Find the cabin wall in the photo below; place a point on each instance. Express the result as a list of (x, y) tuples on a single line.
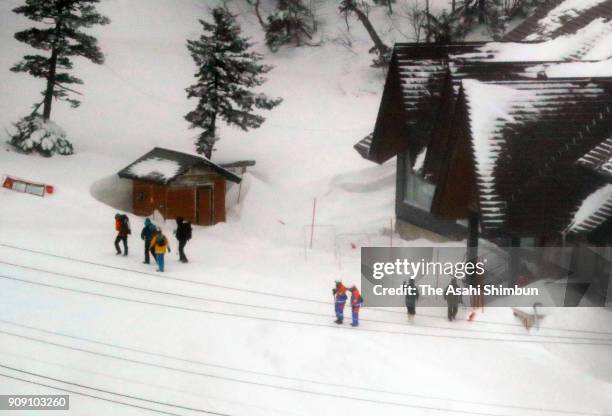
[(148, 197), (198, 197)]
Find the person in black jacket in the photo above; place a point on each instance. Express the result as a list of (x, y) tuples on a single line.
[(147, 233), (183, 234), (452, 298), (412, 295)]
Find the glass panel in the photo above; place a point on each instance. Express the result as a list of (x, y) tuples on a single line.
[(418, 192)]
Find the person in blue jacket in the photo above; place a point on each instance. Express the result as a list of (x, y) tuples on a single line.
[(356, 301), (340, 297), (147, 233)]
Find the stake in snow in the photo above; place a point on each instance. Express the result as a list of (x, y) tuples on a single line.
[(62, 38), (227, 72)]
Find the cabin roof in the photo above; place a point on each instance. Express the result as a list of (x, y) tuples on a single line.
[(164, 165), (560, 17), (544, 186)]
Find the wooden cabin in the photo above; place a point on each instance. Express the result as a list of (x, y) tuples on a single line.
[(181, 185)]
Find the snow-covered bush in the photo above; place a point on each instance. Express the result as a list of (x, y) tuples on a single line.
[(35, 134)]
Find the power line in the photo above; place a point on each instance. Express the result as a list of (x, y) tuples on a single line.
[(90, 395), (336, 385), (253, 383), (264, 293), (127, 396), (139, 382), (312, 324), (276, 309)]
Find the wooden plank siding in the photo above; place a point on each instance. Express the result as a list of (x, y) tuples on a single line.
[(456, 193)]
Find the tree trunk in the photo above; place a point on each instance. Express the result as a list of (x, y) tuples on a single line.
[(255, 4), (378, 43), (482, 9), (50, 84), (428, 34)]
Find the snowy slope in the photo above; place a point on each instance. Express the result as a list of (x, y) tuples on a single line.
[(304, 151)]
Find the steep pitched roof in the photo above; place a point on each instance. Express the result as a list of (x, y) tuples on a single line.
[(415, 86), (560, 17), (536, 190), (164, 165), (599, 158), (593, 211)]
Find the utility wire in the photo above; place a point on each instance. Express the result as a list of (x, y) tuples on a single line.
[(90, 396), (264, 293), (127, 396), (276, 309), (253, 383), (335, 385), (151, 385), (312, 324)]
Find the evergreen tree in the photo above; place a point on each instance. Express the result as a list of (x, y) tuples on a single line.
[(227, 71), (62, 39), (292, 21)]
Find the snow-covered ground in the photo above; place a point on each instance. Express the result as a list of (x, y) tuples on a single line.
[(246, 327)]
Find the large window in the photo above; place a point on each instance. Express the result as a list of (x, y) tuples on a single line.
[(418, 192)]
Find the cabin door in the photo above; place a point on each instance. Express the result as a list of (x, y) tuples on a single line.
[(205, 205)]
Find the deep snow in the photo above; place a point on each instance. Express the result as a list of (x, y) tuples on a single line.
[(304, 151)]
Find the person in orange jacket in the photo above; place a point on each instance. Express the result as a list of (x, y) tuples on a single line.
[(160, 245), (340, 297), (356, 301), (122, 226)]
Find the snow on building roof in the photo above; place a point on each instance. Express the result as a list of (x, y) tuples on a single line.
[(560, 17), (364, 145), (588, 43), (593, 211), (599, 158), (507, 117), (164, 165), (155, 168)]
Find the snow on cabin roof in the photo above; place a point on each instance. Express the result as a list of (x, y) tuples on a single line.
[(599, 158), (560, 17), (507, 117), (164, 165), (593, 211), (155, 168)]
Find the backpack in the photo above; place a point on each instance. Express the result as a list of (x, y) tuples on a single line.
[(187, 231), (125, 225)]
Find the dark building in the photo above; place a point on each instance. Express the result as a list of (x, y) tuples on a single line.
[(181, 185)]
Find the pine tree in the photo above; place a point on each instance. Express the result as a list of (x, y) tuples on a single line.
[(227, 71), (63, 39), (292, 21)]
